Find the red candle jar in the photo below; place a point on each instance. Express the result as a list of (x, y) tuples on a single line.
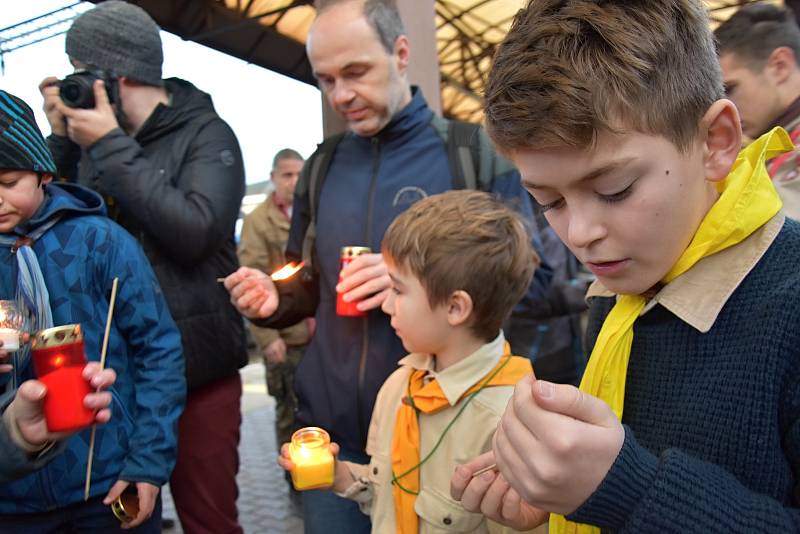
[(58, 359), (349, 309)]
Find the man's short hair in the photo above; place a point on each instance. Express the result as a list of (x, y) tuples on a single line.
[(382, 15), (470, 241), (569, 69), (754, 31), (285, 153)]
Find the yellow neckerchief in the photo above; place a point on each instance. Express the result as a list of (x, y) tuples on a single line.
[(747, 201), (429, 399)]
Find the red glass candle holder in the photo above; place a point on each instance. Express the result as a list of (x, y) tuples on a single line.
[(59, 358), (344, 308)]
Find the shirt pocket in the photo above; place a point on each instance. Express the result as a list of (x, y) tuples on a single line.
[(445, 515)]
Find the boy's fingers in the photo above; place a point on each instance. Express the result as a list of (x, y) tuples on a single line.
[(115, 491), (570, 401), (475, 491)]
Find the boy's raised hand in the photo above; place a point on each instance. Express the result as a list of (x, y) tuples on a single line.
[(252, 292), (86, 126), (490, 495), (555, 444)]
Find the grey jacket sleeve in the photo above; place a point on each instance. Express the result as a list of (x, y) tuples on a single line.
[(14, 462)]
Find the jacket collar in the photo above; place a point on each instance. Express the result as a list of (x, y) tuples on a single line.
[(406, 122), (462, 375), (698, 296)]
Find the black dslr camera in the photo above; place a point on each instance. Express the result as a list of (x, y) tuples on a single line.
[(77, 91)]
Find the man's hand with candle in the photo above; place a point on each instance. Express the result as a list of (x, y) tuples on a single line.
[(489, 494), (341, 475), (147, 494), (555, 444), (365, 279), (252, 292), (26, 409)]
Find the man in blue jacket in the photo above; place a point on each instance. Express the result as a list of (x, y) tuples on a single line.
[(391, 157)]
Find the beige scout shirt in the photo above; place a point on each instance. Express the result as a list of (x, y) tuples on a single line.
[(470, 435), (698, 295), (264, 235)]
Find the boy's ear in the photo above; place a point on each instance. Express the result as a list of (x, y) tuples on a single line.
[(723, 139), (46, 179), (459, 308)]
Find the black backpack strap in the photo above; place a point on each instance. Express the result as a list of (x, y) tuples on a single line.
[(310, 183), (471, 156)]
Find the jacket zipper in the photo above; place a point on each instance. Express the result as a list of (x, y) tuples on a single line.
[(362, 364)]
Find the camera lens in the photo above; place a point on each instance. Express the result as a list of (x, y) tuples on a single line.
[(76, 90)]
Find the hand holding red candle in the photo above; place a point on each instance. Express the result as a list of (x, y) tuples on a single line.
[(364, 282), (58, 359), (27, 410)]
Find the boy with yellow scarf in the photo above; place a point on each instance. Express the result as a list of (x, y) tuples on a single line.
[(459, 262), (688, 416)]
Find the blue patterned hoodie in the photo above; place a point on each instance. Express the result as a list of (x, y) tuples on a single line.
[(79, 258)]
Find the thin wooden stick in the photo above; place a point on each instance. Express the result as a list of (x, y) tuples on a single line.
[(102, 366), (486, 469)]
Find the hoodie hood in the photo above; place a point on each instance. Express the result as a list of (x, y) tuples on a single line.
[(187, 102), (63, 199)]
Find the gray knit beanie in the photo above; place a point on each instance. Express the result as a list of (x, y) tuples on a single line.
[(120, 38)]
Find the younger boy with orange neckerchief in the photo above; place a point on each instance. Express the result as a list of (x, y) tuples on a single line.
[(688, 415), (459, 262)]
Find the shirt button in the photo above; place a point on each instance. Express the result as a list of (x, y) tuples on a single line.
[(447, 520), (374, 470)]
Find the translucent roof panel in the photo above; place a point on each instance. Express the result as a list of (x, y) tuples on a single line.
[(467, 34)]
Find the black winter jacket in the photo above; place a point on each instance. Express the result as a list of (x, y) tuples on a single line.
[(177, 186)]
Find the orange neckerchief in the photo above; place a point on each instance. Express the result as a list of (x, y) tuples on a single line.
[(429, 399)]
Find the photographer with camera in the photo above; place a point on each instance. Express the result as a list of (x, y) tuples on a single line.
[(172, 172)]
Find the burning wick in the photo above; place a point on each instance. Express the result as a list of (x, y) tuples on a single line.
[(287, 271)]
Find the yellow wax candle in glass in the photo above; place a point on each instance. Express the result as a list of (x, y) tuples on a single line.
[(312, 459)]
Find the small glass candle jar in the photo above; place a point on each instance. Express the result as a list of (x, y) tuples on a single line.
[(313, 462), (58, 359), (344, 308), (10, 325)]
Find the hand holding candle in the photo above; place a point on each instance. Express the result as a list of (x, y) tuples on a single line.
[(58, 359), (364, 283), (27, 411), (310, 459)]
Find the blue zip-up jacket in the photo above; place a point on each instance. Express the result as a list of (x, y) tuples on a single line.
[(370, 181), (79, 258)]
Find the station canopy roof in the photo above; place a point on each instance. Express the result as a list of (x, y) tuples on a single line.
[(272, 33)]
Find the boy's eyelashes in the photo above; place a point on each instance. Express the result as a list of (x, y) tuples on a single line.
[(610, 199), (617, 197)]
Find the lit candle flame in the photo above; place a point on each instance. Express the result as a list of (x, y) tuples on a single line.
[(286, 271)]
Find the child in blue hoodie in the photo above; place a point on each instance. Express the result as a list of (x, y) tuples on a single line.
[(61, 256)]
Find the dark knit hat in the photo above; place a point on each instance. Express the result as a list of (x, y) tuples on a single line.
[(22, 146), (120, 38)]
